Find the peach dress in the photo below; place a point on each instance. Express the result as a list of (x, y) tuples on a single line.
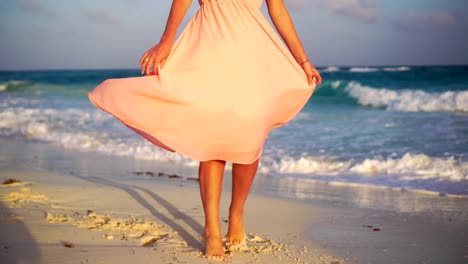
[(227, 81)]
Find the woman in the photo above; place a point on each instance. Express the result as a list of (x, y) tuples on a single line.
[(215, 94)]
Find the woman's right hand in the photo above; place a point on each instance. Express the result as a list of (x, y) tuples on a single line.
[(311, 73), (155, 56)]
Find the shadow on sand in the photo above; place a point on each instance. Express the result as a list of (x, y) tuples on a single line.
[(173, 211), (17, 245)]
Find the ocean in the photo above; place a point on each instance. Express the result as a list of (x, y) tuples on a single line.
[(394, 126)]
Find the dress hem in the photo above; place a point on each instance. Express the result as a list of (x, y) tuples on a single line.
[(142, 132)]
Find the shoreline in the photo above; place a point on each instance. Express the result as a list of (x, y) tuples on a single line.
[(28, 154), (336, 224)]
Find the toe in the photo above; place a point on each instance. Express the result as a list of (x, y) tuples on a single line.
[(216, 258)]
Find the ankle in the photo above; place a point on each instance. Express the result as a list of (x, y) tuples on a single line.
[(236, 212), (212, 232)]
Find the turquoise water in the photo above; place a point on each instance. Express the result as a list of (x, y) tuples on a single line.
[(396, 126)]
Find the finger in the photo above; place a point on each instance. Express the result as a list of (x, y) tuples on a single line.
[(153, 69), (142, 63), (145, 65), (156, 67), (151, 64), (143, 57), (316, 78), (319, 79), (146, 57)]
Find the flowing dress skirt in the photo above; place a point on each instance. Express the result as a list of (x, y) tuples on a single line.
[(228, 80)]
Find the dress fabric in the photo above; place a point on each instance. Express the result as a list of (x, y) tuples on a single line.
[(227, 81)]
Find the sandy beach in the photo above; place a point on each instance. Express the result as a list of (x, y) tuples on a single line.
[(76, 207)]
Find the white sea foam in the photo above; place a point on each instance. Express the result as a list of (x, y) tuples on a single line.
[(305, 165), (409, 100), (331, 69), (401, 68), (413, 167), (4, 85), (363, 69), (14, 82), (82, 130), (19, 101), (335, 84), (409, 167), (86, 130)]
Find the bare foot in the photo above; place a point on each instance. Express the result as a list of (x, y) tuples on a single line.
[(236, 233), (214, 249)]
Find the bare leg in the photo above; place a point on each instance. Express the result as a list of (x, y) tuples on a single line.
[(211, 179), (242, 178)]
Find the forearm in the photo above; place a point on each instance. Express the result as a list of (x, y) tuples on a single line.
[(178, 10), (285, 26)]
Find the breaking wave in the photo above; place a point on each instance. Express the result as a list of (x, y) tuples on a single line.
[(87, 130), (407, 100)]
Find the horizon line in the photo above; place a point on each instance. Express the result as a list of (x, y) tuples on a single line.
[(316, 66)]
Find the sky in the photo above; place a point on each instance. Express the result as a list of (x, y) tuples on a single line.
[(113, 34)]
